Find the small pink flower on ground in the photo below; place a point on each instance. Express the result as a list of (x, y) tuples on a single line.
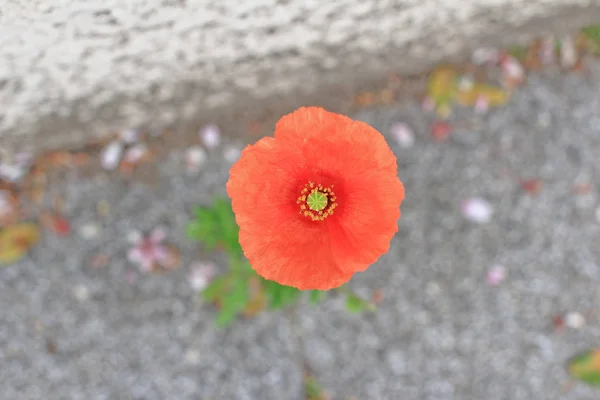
[(210, 136), (428, 104), (200, 275), (232, 154), (496, 275), (574, 320), (111, 156), (482, 104), (195, 157), (403, 134), (149, 252), (477, 209)]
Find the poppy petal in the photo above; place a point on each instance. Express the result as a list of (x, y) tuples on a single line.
[(313, 145)]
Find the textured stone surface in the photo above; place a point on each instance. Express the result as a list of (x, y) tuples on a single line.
[(441, 332), (71, 70)]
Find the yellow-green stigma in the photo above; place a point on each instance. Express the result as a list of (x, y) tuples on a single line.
[(316, 202)]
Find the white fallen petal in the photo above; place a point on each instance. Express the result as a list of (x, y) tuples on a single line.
[(403, 134), (192, 356), (485, 56), (136, 153), (574, 320), (210, 136), (568, 53), (232, 154), (512, 68), (129, 136), (477, 209), (12, 172), (111, 156), (81, 292), (89, 230), (465, 83), (195, 157), (200, 275)]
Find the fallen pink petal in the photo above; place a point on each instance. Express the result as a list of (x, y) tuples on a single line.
[(200, 275), (496, 275), (129, 136), (403, 135), (111, 156), (195, 157), (210, 136), (512, 68), (548, 50), (136, 153), (428, 104), (477, 209), (482, 104)]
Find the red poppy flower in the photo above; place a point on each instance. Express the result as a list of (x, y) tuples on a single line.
[(318, 202)]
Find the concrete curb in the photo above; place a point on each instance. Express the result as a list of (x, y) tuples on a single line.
[(72, 72)]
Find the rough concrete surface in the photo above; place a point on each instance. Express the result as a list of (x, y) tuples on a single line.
[(69, 331), (73, 70)]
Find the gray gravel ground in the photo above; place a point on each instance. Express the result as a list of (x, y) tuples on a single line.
[(441, 331)]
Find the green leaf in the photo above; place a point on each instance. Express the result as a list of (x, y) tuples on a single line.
[(193, 230), (216, 288), (592, 32), (215, 225), (586, 367), (279, 295), (354, 303), (313, 390), (233, 303), (316, 296), (518, 52)]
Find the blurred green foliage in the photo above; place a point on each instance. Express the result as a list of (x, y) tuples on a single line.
[(240, 291)]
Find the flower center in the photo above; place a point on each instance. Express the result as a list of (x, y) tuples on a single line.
[(316, 202)]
